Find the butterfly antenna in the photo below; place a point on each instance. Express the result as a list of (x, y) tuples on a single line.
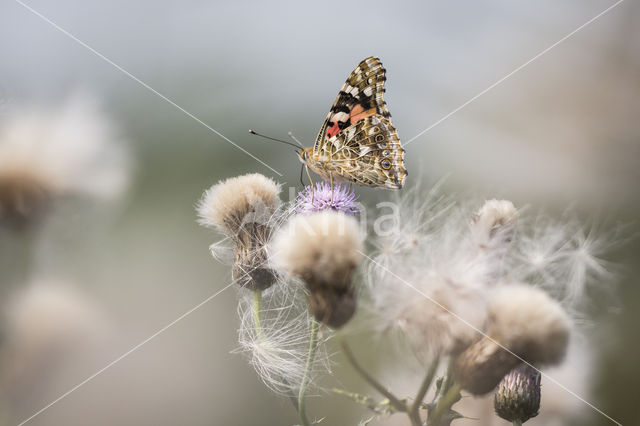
[(273, 139), (296, 140)]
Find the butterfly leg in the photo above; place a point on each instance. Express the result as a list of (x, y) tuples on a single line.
[(310, 183), (331, 180)]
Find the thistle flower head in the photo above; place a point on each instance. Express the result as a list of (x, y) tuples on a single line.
[(323, 249), (524, 323), (46, 154), (242, 208), (321, 197), (518, 394)]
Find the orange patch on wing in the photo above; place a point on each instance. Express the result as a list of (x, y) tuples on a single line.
[(358, 113), (333, 130)]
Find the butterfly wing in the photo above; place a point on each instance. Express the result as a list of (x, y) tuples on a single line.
[(357, 141), (368, 153)]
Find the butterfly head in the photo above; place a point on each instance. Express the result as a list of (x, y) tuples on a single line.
[(305, 154)]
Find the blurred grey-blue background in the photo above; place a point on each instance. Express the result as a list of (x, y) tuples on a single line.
[(561, 132)]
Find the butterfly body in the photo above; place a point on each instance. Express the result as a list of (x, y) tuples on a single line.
[(357, 142)]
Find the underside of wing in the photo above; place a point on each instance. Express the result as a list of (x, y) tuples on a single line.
[(360, 96), (368, 153)]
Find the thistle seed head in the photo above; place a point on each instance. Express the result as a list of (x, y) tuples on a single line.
[(234, 202), (524, 322), (323, 249), (242, 208)]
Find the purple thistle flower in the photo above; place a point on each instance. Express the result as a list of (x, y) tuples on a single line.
[(344, 199)]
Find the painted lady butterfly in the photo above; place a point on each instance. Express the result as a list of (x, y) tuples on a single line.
[(357, 142)]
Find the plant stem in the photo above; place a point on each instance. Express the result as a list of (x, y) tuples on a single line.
[(517, 423), (313, 347), (446, 382), (444, 403), (393, 400), (414, 409)]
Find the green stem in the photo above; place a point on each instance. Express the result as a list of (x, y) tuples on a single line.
[(393, 400), (517, 423), (414, 410), (446, 382), (313, 348), (414, 417), (450, 397)]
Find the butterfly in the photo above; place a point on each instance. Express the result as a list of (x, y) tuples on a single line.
[(357, 142)]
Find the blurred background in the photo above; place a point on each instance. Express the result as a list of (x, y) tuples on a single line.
[(118, 256)]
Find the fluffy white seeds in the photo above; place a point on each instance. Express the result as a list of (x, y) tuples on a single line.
[(494, 222), (531, 324), (564, 258), (428, 279), (322, 245), (243, 208), (242, 199), (323, 249), (524, 324), (278, 346)]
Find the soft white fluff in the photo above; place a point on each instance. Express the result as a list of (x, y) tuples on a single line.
[(229, 203), (67, 149), (494, 221), (528, 322), (524, 324), (434, 253), (45, 326), (429, 277), (47, 314), (322, 244), (278, 350), (559, 407), (565, 258)]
